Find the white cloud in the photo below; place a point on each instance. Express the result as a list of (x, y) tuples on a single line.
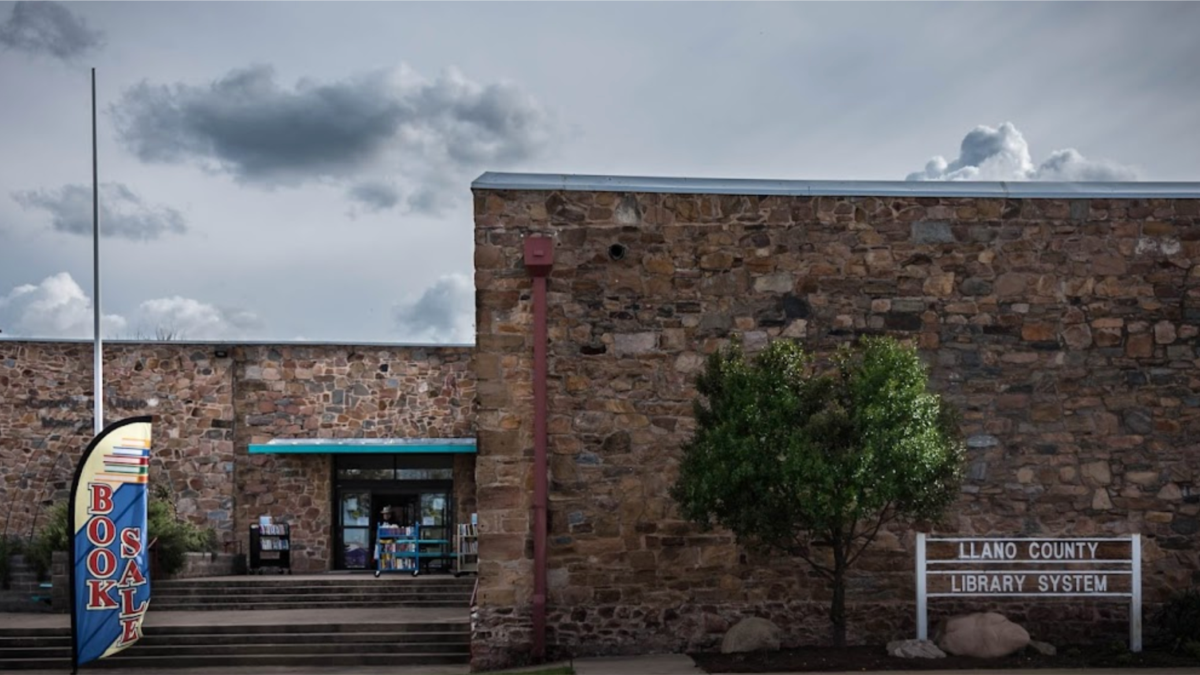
[(445, 312), (188, 319), (56, 307), (59, 308), (1003, 154)]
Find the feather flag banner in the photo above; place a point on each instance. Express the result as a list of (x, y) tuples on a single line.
[(110, 575)]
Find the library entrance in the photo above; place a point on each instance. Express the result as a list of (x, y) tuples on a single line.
[(418, 489)]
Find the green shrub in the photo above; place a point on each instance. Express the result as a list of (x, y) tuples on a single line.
[(175, 537), (52, 537), (1178, 620)]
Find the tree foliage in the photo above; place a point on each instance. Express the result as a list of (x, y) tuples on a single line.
[(812, 463)]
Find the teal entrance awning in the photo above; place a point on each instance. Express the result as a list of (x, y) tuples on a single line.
[(355, 446)]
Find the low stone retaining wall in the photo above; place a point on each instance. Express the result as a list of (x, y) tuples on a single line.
[(196, 565), (60, 580), (206, 565)]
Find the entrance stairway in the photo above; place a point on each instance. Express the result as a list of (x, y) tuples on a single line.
[(311, 592), (242, 622)]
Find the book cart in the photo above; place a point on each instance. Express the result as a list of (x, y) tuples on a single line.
[(270, 548), (398, 549), (466, 549)]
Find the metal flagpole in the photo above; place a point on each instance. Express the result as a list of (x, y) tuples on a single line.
[(98, 411)]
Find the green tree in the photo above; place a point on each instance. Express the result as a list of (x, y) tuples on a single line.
[(810, 463)]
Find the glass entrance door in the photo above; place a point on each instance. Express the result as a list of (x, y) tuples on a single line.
[(418, 488), (355, 515)]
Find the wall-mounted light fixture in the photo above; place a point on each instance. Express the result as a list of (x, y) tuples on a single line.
[(221, 352)]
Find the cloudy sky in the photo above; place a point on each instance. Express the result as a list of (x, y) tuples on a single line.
[(301, 171)]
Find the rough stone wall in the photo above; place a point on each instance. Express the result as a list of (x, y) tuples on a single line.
[(464, 488), (208, 409), (46, 422), (1065, 331), (299, 391)]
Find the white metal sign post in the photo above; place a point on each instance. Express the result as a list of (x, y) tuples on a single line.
[(1030, 568)]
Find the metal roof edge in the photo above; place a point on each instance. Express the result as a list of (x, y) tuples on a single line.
[(396, 442), (493, 180)]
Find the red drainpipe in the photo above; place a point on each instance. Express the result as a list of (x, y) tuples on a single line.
[(539, 259)]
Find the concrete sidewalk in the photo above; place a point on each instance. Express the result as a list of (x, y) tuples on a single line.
[(679, 664), (660, 664)]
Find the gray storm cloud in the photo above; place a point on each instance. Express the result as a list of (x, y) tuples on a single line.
[(48, 28), (374, 196), (445, 312), (249, 126), (1003, 154), (122, 212)]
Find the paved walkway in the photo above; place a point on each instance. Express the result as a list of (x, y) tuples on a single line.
[(663, 664), (650, 665), (678, 664)]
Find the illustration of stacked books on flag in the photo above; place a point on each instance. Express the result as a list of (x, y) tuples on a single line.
[(128, 463)]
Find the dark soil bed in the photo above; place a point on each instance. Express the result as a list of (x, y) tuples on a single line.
[(831, 659)]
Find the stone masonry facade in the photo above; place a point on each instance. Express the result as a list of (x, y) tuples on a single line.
[(1065, 330), (208, 409)]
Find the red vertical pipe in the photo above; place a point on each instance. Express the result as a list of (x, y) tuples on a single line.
[(539, 259), (540, 488)]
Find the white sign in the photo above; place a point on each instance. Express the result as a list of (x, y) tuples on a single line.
[(1004, 567)]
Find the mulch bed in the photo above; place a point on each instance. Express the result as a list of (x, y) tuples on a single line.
[(860, 658)]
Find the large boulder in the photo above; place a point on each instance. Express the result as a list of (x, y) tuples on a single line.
[(984, 635), (751, 635), (914, 649)]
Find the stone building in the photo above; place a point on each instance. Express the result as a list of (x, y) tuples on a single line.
[(380, 425), (1061, 319)]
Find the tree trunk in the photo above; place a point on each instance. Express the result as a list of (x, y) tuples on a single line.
[(837, 610)]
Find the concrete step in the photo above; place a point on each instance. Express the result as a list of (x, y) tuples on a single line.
[(63, 641), (397, 628), (253, 645), (285, 601), (404, 580), (171, 592), (271, 604), (10, 654), (301, 590), (459, 637), (315, 628)]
